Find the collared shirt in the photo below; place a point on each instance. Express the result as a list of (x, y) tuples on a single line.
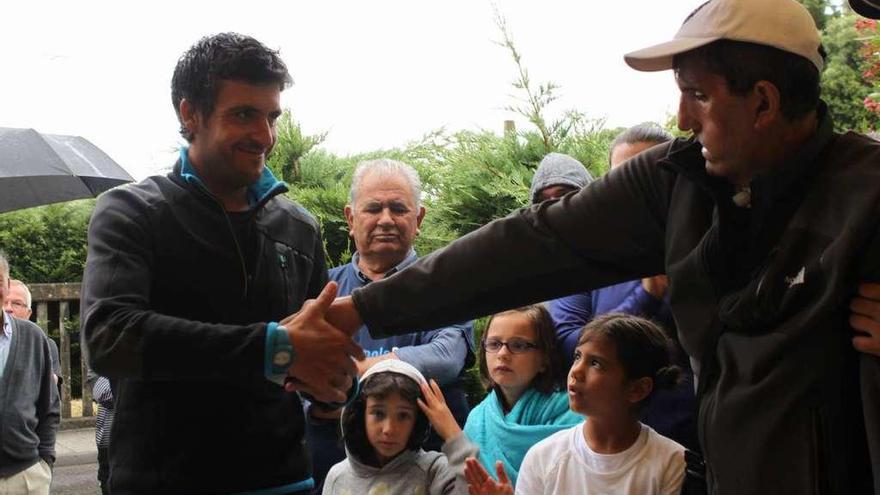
[(410, 258), (5, 342)]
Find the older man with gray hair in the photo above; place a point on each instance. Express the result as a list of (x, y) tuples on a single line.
[(30, 408), (18, 304), (384, 215)]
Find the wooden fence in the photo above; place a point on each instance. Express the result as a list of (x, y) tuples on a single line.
[(52, 307)]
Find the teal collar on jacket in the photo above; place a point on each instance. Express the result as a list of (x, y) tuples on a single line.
[(259, 192)]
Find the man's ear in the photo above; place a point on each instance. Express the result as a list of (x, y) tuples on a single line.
[(639, 389), (189, 116), (420, 217), (349, 218), (767, 104)]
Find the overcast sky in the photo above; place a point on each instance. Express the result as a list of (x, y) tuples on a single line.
[(375, 74)]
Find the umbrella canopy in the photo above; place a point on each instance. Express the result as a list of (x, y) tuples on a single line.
[(38, 169)]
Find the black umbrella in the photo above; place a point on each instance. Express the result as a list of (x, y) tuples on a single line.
[(38, 169)]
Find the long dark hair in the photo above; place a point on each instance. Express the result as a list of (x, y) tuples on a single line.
[(553, 376), (380, 385)]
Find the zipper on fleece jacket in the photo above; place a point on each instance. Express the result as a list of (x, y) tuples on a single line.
[(267, 187)]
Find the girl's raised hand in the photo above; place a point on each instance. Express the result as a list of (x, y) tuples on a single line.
[(438, 413), (480, 483)]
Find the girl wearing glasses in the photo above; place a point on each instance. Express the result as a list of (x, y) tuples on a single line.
[(619, 362), (521, 367)]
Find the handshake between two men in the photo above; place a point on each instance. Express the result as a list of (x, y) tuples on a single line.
[(321, 334)]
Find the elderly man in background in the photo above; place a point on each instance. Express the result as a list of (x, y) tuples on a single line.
[(29, 409), (18, 304), (384, 216)]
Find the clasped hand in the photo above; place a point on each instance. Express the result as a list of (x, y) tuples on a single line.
[(324, 366)]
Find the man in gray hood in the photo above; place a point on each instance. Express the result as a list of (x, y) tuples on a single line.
[(557, 175)]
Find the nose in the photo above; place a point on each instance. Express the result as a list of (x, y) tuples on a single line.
[(264, 133), (577, 370), (504, 351), (387, 426), (385, 217), (685, 122)]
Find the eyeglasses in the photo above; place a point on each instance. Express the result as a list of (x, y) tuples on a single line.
[(18, 304), (515, 346)]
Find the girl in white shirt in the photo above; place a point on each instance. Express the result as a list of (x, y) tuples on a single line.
[(620, 360)]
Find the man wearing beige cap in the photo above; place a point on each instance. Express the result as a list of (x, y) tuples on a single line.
[(764, 221)]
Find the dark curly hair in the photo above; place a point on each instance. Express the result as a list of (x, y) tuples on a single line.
[(643, 348), (553, 376), (224, 56), (380, 385)]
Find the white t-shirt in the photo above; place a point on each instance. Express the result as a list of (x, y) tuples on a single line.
[(563, 464)]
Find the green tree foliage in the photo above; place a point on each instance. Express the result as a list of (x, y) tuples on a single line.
[(869, 53), (821, 10), (844, 87), (48, 243), (292, 144)]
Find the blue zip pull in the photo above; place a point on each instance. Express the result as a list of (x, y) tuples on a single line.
[(282, 260)]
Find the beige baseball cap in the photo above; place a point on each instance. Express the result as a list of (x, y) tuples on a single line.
[(782, 24)]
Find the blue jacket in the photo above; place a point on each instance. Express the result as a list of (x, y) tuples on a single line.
[(571, 313)]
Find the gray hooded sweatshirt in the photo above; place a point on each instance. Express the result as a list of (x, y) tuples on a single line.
[(558, 169), (411, 472)]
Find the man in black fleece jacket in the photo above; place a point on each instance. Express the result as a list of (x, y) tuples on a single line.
[(187, 279)]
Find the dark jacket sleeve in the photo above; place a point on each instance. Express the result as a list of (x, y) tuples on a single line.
[(124, 337), (48, 409), (611, 231)]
